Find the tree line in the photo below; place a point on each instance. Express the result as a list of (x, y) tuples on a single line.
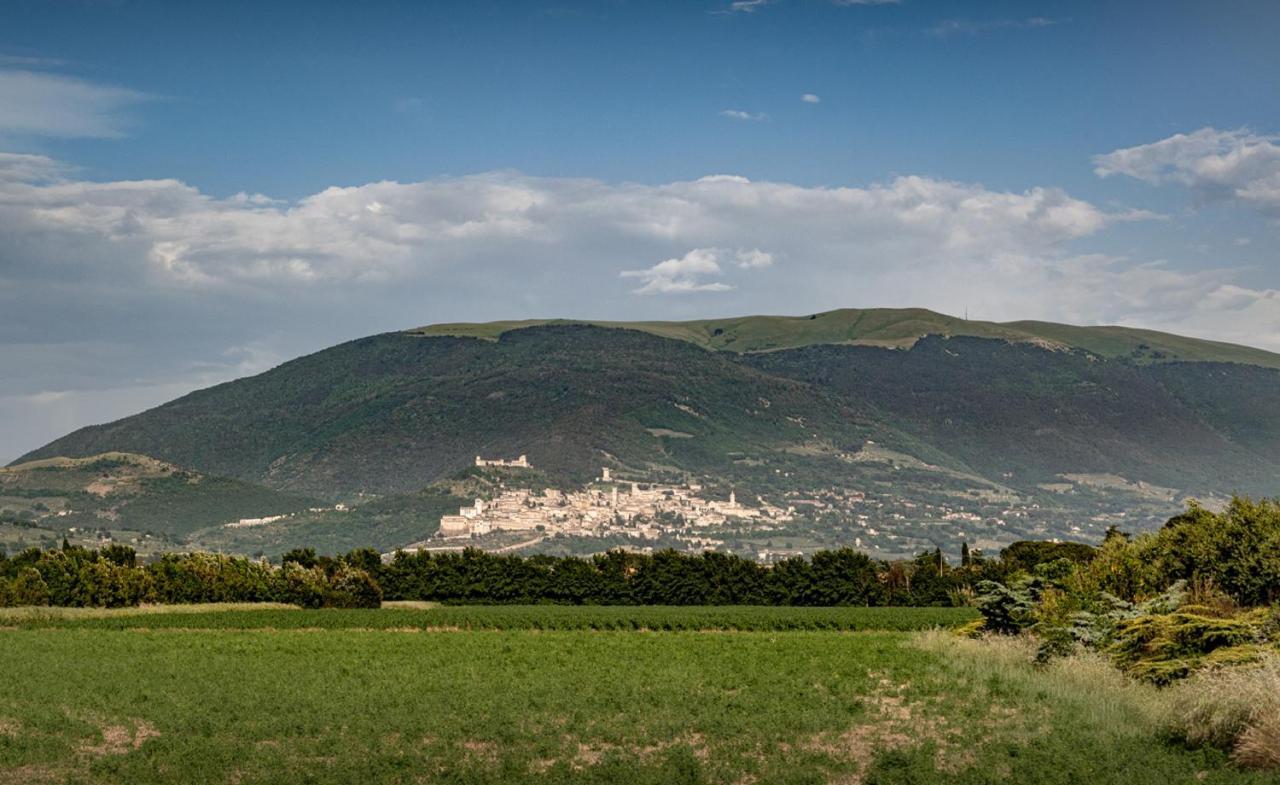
[(113, 577)]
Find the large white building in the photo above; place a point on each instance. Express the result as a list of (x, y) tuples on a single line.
[(519, 463)]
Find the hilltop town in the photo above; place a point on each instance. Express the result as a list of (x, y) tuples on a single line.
[(605, 508)]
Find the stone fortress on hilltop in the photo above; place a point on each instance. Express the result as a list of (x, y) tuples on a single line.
[(645, 512), (519, 463)]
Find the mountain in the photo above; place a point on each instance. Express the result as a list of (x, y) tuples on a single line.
[(1082, 420), (394, 412)]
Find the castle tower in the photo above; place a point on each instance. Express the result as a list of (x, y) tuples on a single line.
[(604, 474), (614, 495), (733, 499)]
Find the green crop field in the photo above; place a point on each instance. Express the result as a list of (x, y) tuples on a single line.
[(524, 617), (395, 696)]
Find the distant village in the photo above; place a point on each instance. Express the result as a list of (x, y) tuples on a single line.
[(606, 508), (648, 516)]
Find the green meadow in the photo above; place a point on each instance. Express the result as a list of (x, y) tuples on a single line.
[(233, 695)]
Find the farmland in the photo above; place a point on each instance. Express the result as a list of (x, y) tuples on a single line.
[(520, 694)]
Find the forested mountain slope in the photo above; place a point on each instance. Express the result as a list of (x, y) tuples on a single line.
[(1017, 405)]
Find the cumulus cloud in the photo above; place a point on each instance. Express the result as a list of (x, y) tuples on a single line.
[(164, 273), (41, 104), (688, 273), (1215, 164), (810, 98), (683, 275)]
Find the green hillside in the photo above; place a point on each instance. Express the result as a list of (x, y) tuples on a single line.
[(394, 412), (124, 491), (900, 328), (1075, 427)]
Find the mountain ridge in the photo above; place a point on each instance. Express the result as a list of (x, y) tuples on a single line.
[(898, 328)]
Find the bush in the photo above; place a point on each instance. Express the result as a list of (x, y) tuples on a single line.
[(1007, 610), (1163, 647)]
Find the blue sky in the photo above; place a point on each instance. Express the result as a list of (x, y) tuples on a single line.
[(195, 191)]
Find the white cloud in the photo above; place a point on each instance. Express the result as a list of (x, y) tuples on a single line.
[(753, 259), (20, 168), (682, 275), (810, 98), (745, 6), (688, 273), (39, 104), (738, 114), (953, 27), (176, 236), (1215, 164)]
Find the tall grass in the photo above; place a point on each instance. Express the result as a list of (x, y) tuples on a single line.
[(1087, 682), (1236, 709)]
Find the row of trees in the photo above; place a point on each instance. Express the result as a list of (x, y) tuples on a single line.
[(1237, 551), (112, 577)]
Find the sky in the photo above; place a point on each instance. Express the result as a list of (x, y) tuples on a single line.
[(194, 192)]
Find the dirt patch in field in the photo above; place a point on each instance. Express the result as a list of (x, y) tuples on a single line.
[(592, 753), (898, 723), (120, 739), (9, 727), (30, 775), (478, 751)]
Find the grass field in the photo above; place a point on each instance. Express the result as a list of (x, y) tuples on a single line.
[(508, 617), (355, 700)]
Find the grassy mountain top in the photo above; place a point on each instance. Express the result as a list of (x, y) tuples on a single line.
[(105, 474), (898, 329)]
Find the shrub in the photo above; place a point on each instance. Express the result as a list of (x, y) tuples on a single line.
[(1163, 647), (1007, 610)]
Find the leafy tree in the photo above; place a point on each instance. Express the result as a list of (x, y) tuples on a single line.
[(29, 588), (303, 557)]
